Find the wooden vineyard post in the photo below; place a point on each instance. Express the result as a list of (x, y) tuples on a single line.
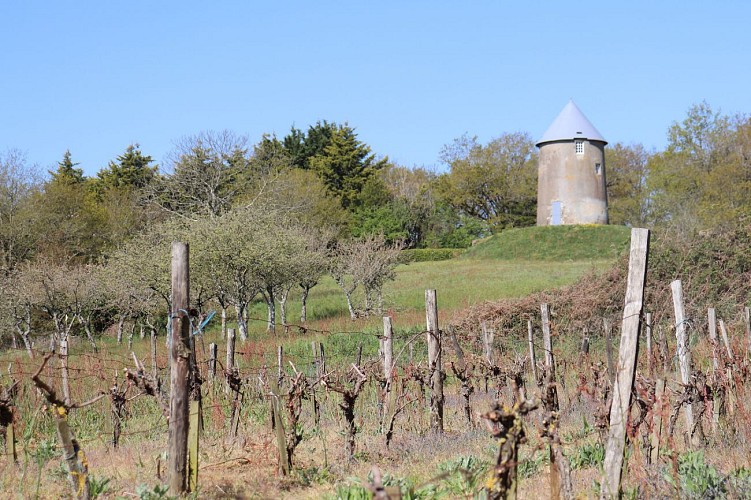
[(388, 351), (547, 343), (648, 331), (279, 360), (212, 361), (8, 411), (747, 329), (317, 375), (230, 360), (609, 348), (584, 350), (487, 341), (154, 367), (659, 408), (627, 354), (716, 403), (726, 341), (179, 370), (434, 362), (684, 354), (64, 369), (693, 427), (728, 370), (551, 400), (278, 423), (532, 360), (10, 442), (229, 364), (667, 364), (316, 362), (193, 434), (712, 322), (546, 340), (657, 413)]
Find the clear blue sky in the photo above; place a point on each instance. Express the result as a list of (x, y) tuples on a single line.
[(94, 77)]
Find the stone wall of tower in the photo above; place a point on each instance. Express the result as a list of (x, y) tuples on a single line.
[(571, 186)]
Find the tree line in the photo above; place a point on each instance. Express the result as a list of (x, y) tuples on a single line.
[(274, 216)]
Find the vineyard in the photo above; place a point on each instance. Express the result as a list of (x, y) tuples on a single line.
[(552, 395)]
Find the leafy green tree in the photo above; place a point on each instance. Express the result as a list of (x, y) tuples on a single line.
[(303, 146), (121, 190), (272, 181), (267, 163), (70, 219), (126, 293), (413, 203), (392, 220), (451, 229), (701, 180), (701, 138), (223, 250), (19, 186), (334, 152), (302, 195), (66, 172), (346, 165), (249, 252), (269, 157), (414, 185), (206, 173), (276, 261), (496, 183), (137, 274), (628, 196), (132, 170), (412, 211)]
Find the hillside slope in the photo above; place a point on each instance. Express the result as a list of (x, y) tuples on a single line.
[(554, 243), (715, 268)]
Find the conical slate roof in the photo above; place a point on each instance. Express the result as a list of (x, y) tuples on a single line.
[(569, 125)]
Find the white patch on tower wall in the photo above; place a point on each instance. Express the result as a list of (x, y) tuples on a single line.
[(556, 213)]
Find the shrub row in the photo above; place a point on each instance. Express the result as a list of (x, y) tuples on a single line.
[(428, 254)]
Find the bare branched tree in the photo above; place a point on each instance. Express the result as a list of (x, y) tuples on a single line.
[(206, 177), (368, 263), (18, 184)]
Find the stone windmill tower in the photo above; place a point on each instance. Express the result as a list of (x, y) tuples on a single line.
[(571, 172)]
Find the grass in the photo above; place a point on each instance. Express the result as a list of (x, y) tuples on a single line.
[(463, 282), (554, 244)]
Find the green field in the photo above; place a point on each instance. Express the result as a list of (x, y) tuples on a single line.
[(554, 244)]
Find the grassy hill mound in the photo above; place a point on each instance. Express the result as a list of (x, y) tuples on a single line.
[(714, 266), (554, 243)]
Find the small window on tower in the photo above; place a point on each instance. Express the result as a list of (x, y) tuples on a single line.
[(579, 147), (598, 168)]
